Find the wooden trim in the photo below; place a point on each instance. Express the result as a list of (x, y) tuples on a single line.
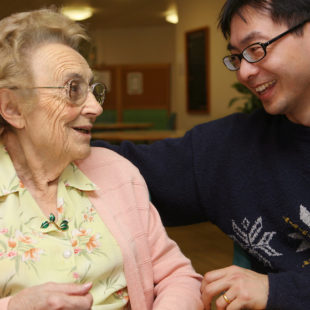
[(137, 135), (119, 95), (153, 75), (156, 88)]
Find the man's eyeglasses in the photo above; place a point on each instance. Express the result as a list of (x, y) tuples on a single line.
[(254, 52), (77, 91)]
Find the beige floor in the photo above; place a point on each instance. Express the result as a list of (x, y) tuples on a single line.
[(206, 246)]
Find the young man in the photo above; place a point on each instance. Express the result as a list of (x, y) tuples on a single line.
[(249, 174)]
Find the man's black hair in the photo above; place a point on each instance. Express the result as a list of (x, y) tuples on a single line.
[(289, 12)]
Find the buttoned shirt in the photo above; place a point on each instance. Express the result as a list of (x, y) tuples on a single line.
[(31, 254)]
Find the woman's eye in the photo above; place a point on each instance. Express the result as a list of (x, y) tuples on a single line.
[(74, 89), (74, 86)]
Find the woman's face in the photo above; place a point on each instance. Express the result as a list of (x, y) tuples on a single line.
[(55, 126)]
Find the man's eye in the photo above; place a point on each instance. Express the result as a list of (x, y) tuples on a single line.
[(254, 49)]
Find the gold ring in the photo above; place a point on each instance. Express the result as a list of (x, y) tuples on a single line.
[(226, 299)]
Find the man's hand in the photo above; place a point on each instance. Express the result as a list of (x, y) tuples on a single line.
[(53, 296), (241, 288)]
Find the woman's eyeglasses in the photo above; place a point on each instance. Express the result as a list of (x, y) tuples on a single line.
[(255, 52), (77, 91)]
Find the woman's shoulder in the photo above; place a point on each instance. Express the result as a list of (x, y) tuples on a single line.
[(102, 160), (103, 155), (114, 174)]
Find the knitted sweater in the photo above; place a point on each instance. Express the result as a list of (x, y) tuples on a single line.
[(248, 174)]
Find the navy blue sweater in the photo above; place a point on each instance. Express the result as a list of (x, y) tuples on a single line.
[(249, 175)]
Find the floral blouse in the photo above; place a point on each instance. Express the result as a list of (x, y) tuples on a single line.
[(34, 251)]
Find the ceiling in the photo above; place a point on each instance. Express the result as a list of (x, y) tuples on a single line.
[(108, 13)]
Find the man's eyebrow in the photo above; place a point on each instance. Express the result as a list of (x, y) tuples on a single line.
[(247, 39), (230, 47), (250, 37)]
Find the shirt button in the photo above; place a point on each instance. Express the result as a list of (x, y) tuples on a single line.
[(67, 253)]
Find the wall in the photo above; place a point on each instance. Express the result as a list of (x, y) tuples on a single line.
[(166, 44), (195, 14), (135, 45)]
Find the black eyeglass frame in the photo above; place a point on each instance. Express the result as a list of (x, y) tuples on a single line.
[(263, 45)]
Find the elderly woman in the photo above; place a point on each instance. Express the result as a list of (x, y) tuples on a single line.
[(77, 230)]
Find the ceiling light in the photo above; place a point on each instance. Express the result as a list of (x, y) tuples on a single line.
[(77, 12), (172, 17)]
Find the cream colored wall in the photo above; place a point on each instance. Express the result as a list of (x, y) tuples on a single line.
[(195, 14), (135, 45), (166, 44)]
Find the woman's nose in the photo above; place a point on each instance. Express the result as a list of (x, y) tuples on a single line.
[(92, 106)]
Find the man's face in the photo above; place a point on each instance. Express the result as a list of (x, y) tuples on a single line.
[(282, 79)]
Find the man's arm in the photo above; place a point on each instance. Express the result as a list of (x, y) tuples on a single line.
[(246, 289), (289, 290), (168, 168), (236, 287)]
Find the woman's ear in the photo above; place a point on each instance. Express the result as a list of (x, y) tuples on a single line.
[(10, 110)]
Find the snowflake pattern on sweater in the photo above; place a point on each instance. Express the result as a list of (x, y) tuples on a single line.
[(254, 239), (301, 234), (249, 175)]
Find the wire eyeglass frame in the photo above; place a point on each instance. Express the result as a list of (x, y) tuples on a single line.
[(99, 91)]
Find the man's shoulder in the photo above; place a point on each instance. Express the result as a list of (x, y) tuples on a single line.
[(237, 120), (235, 132), (236, 125)]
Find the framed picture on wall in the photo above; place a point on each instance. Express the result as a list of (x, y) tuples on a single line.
[(197, 70)]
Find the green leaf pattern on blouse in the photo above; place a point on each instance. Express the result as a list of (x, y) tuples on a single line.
[(30, 255)]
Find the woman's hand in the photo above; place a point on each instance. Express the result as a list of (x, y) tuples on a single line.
[(243, 289), (53, 296)]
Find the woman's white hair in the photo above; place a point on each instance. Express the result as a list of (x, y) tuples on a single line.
[(20, 33)]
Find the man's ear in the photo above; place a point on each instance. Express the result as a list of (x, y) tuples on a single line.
[(10, 110)]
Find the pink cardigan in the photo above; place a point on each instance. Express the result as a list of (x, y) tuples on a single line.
[(158, 276)]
